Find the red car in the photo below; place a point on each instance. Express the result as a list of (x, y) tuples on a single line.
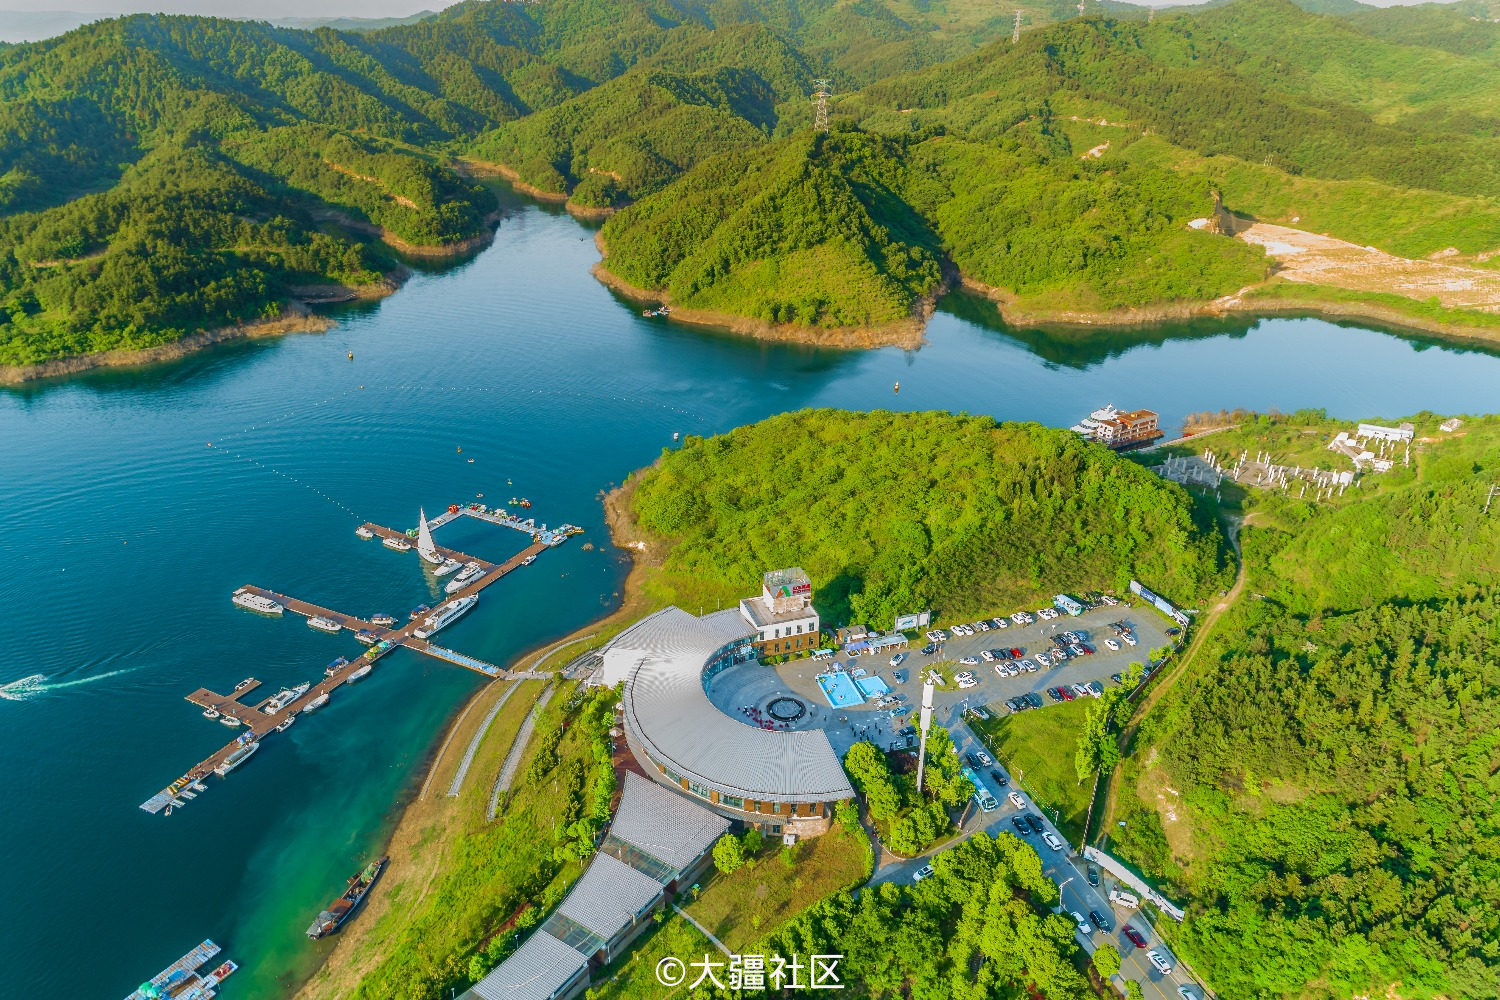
[(1067, 693), (1135, 936), (1015, 654)]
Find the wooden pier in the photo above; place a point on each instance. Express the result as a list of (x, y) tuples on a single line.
[(257, 724)]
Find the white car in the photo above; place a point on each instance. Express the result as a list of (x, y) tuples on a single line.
[(986, 656), (1046, 614), (1016, 800), (1129, 639), (1111, 644), (985, 759), (898, 659), (967, 683), (1080, 690), (1019, 617), (924, 872), (1001, 623), (964, 675), (1041, 658), (937, 635), (1050, 839), (1162, 963), (968, 661), (982, 626), (1027, 666), (1083, 924), (1188, 993)]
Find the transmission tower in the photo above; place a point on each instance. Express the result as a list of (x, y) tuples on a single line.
[(821, 92), (1080, 8), (1150, 14), (1015, 33)]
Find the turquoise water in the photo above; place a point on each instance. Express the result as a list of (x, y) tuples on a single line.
[(840, 690), (124, 536), (872, 687)]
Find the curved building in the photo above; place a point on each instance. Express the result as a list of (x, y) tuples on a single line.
[(782, 782)]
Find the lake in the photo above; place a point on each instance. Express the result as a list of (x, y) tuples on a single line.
[(125, 534)]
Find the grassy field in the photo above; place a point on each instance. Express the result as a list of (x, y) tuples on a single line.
[(1037, 748), (633, 977), (739, 908), (454, 878)]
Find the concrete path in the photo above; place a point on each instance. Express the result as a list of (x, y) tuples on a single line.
[(484, 727), (703, 930), (513, 759)]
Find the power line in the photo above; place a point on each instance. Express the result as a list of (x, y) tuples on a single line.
[(823, 89)]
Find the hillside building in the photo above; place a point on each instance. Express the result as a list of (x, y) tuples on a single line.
[(783, 615)]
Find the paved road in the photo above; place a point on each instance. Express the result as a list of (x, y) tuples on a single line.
[(1068, 870)]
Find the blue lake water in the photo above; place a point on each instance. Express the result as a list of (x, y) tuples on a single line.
[(124, 535)]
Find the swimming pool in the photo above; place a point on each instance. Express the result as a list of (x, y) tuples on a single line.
[(840, 690), (872, 687)]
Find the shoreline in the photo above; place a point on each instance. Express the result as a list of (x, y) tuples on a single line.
[(907, 334), (509, 174), (412, 820)]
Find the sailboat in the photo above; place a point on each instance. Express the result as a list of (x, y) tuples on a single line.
[(425, 547)]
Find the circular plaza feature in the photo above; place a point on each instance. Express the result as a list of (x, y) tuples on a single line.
[(786, 708)]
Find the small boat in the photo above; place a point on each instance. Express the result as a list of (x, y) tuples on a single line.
[(324, 624), (365, 636), (257, 603), (383, 620), (418, 612), (528, 560), (448, 566), (359, 673), (281, 699), (335, 666), (236, 758), (471, 461), (399, 544), (228, 720), (316, 703), (244, 683), (210, 713), (285, 724), (364, 532), (343, 908)]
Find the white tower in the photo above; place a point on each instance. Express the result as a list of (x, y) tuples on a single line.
[(926, 723)]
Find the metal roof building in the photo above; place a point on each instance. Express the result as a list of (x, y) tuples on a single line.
[(540, 969), (666, 661)]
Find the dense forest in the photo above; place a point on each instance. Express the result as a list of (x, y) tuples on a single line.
[(893, 512), (1332, 754), (160, 175)]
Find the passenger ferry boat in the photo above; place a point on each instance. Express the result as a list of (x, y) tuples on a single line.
[(316, 703), (324, 624), (399, 544), (255, 602), (1120, 429), (446, 615), (383, 620), (471, 572), (364, 532), (418, 611), (335, 666), (365, 636), (236, 758), (359, 673), (281, 699)]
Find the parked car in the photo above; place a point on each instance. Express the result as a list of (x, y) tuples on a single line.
[(1094, 688), (1067, 693), (1117, 678), (999, 778), (968, 661), (924, 872), (1079, 690), (1016, 800), (1162, 963), (967, 683), (1188, 993), (1136, 937), (973, 760), (987, 656), (1000, 623), (1034, 698), (1112, 644), (1052, 693), (936, 635), (1041, 658), (898, 659), (1093, 876), (985, 759), (1174, 631), (1083, 925), (1050, 839), (929, 649), (1099, 920), (1020, 825), (981, 625), (1015, 653), (1035, 822)]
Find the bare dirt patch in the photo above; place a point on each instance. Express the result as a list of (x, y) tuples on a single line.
[(1323, 260)]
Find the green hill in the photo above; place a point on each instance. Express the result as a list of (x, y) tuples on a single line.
[(897, 511)]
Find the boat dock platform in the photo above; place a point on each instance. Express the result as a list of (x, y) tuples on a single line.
[(505, 519), (256, 724), (182, 981)]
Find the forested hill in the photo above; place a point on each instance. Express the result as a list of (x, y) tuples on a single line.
[(160, 175), (1319, 787)]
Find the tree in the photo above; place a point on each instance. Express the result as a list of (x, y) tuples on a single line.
[(1133, 990), (753, 841), (1107, 960), (944, 774), (729, 854)]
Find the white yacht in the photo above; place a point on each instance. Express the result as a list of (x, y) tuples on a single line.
[(471, 572), (236, 758), (448, 566), (425, 546), (255, 602), (359, 673), (285, 724), (528, 560), (324, 624), (210, 713), (364, 532), (228, 720), (281, 699), (446, 615), (316, 703), (397, 543)]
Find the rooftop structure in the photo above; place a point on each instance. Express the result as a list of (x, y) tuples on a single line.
[(1377, 432), (783, 615)]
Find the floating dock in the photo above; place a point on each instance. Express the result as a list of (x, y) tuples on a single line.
[(182, 981), (256, 724)]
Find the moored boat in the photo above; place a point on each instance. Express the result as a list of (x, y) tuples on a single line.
[(446, 615), (244, 683), (418, 611), (324, 624), (255, 602), (236, 757), (471, 572), (359, 673), (210, 713), (228, 720), (335, 666), (364, 532), (281, 699), (528, 560), (343, 908), (399, 544), (383, 620), (426, 548), (316, 703), (365, 636), (448, 566), (285, 724)]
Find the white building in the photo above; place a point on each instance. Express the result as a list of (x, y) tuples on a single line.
[(783, 616)]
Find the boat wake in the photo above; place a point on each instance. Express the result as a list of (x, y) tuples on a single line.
[(37, 685)]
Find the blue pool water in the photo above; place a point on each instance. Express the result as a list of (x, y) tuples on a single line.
[(840, 690), (872, 687)]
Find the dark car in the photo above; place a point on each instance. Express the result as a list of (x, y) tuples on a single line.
[(1020, 825), (1034, 698), (1052, 693), (1035, 822), (1000, 778), (973, 760), (1093, 874), (1174, 631), (929, 649), (1099, 920), (1135, 936)]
